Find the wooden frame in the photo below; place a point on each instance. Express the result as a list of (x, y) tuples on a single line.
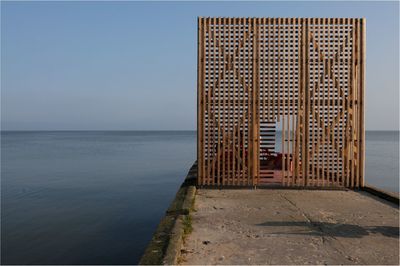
[(304, 75)]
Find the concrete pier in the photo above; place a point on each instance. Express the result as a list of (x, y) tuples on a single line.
[(278, 226)]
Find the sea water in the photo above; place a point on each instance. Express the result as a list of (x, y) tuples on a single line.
[(96, 197)]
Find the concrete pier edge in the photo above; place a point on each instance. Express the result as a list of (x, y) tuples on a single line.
[(388, 196), (165, 245)]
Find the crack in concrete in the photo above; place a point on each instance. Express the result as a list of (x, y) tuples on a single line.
[(325, 239)]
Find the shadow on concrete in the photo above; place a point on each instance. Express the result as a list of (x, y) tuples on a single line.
[(334, 229)]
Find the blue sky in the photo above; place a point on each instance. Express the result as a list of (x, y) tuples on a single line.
[(132, 65)]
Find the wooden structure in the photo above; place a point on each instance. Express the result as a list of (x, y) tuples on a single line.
[(304, 76)]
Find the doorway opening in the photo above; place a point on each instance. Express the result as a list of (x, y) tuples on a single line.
[(272, 161)]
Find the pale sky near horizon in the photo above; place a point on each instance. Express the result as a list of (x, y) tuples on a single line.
[(132, 65)]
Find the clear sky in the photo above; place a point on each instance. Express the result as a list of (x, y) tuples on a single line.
[(132, 65)]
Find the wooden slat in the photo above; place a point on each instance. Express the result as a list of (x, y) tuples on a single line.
[(331, 49), (242, 63), (357, 97), (211, 108), (217, 103), (287, 97), (337, 89), (279, 70), (319, 124), (281, 108), (287, 104), (292, 28), (236, 137), (269, 69), (251, 124), (329, 117), (351, 108), (303, 101), (355, 109), (249, 138), (307, 100), (253, 151), (204, 105), (208, 106), (241, 81), (258, 116), (263, 100), (311, 115), (297, 152), (362, 99), (347, 126), (273, 80), (200, 102), (229, 96), (325, 164), (287, 88), (342, 64)]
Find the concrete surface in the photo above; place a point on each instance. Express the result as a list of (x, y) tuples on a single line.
[(292, 227), (165, 245)]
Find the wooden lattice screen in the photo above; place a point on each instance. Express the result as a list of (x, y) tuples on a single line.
[(304, 76)]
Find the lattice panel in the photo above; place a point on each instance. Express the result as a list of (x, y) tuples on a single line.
[(305, 76), (227, 96)]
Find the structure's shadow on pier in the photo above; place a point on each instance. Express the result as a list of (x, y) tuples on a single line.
[(333, 229)]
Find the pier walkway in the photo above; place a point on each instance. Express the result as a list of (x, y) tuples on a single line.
[(278, 226)]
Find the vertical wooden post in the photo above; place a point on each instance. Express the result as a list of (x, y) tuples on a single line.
[(273, 54), (258, 102), (356, 105), (235, 117), (292, 92), (311, 116), (241, 66), (278, 46), (325, 164), (320, 153), (351, 109), (249, 108), (329, 112), (212, 121), (208, 112), (199, 103), (221, 24), (342, 134), (307, 100), (288, 64), (298, 120), (303, 100), (254, 103), (227, 25), (362, 100), (281, 96), (262, 28), (269, 70), (201, 99)]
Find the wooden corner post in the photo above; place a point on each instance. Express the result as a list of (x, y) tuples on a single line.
[(200, 101)]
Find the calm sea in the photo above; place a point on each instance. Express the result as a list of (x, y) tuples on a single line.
[(97, 197)]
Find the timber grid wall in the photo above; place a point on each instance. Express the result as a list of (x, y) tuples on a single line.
[(304, 75)]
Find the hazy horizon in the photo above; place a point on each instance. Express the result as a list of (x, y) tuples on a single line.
[(133, 65)]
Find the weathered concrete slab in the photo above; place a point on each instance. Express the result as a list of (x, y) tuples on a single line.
[(292, 227)]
